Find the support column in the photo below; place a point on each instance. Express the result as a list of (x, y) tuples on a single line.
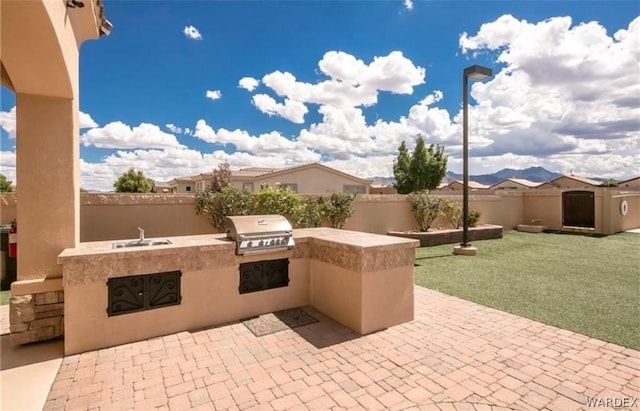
[(48, 211)]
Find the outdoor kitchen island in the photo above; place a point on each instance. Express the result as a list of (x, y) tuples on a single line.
[(114, 296)]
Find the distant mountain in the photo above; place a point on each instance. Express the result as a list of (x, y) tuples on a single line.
[(536, 174), (383, 181)]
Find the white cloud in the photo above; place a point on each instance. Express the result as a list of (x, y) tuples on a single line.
[(173, 128), (408, 4), (8, 165), (192, 33), (289, 151), (565, 117), (293, 111), (560, 85), (213, 94), (119, 135), (351, 82), (8, 122), (86, 121), (248, 83)]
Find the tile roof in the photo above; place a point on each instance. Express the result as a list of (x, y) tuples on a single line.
[(581, 179), (521, 181)]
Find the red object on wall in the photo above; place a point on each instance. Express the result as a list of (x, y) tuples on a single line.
[(13, 240)]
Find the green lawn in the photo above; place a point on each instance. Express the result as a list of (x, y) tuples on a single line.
[(4, 297), (583, 284)]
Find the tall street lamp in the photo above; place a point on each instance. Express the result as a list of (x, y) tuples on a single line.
[(477, 73)]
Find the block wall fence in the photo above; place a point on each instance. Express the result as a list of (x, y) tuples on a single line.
[(113, 216)]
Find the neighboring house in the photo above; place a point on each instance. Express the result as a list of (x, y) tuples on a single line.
[(457, 186), (313, 178), (570, 182), (162, 187), (183, 185), (382, 189), (633, 183), (514, 184)]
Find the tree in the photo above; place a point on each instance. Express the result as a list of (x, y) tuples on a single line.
[(5, 185), (401, 170), (133, 181), (422, 170), (221, 177)]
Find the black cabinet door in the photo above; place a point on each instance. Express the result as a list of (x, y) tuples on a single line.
[(263, 275)]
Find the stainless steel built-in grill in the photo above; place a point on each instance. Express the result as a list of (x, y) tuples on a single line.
[(257, 233)]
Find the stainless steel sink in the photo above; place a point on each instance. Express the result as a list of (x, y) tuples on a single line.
[(140, 243)]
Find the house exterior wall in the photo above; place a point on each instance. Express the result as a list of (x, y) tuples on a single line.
[(453, 186), (565, 182), (630, 184), (184, 187), (311, 180), (509, 185)]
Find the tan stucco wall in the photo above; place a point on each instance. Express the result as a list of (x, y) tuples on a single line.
[(209, 297), (40, 43), (47, 170), (543, 207), (364, 302), (617, 221), (380, 214), (310, 181), (117, 216)]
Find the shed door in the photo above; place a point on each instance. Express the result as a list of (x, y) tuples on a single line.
[(578, 209)]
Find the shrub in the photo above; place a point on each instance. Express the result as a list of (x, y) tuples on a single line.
[(218, 205), (474, 217), (452, 212), (338, 208), (312, 211), (280, 201), (426, 209)]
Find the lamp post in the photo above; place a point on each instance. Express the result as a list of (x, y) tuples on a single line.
[(477, 73)]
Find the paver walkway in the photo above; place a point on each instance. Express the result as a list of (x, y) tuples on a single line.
[(456, 355)]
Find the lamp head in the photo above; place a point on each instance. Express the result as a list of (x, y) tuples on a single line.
[(477, 72), (105, 28)]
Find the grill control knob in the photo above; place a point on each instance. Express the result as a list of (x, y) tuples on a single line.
[(250, 244), (261, 243), (273, 242)]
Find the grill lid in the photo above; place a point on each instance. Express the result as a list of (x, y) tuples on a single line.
[(259, 232)]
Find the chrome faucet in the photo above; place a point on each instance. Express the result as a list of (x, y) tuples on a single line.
[(141, 233)]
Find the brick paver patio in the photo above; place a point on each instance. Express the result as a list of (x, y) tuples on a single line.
[(456, 355)]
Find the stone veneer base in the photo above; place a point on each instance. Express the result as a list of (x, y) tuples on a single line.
[(451, 236), (36, 317)]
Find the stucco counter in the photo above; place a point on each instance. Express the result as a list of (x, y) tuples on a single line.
[(364, 281)]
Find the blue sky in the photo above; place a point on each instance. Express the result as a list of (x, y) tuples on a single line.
[(344, 82)]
